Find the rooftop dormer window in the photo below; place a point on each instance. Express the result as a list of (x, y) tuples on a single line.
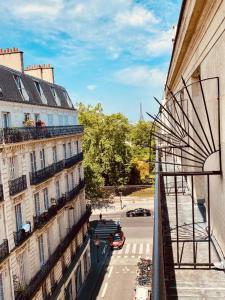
[(40, 92), (68, 100), (57, 100), (21, 87)]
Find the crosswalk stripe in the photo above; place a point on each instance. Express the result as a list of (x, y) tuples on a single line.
[(127, 249), (134, 248), (148, 249), (141, 248)]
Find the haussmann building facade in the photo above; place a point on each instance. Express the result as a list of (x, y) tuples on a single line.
[(44, 246), (189, 235)]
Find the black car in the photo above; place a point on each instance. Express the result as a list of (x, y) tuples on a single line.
[(138, 212)]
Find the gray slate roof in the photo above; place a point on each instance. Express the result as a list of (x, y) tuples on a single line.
[(11, 93)]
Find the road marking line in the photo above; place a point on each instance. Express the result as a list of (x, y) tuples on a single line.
[(110, 271), (148, 248), (104, 290), (127, 249), (141, 248), (134, 248)]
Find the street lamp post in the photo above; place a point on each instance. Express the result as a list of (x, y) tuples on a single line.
[(97, 244)]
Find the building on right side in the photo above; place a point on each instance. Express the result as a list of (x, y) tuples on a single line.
[(189, 241)]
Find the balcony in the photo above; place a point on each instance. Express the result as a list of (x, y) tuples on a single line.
[(17, 185), (75, 191), (42, 274), (1, 193), (4, 250), (69, 162), (59, 166), (42, 219), (60, 202), (21, 134), (20, 236)]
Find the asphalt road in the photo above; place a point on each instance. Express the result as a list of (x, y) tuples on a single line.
[(120, 273)]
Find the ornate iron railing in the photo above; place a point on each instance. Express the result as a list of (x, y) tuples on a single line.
[(42, 274), (1, 193), (42, 219), (69, 162), (20, 236), (17, 185), (4, 250), (75, 191), (20, 134)]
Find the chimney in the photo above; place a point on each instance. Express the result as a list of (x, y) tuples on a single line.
[(12, 58), (45, 72)]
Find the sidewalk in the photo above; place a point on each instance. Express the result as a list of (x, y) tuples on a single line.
[(92, 284)]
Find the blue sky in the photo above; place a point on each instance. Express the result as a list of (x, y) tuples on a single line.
[(115, 52)]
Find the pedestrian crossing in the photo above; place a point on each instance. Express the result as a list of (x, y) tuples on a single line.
[(133, 250), (104, 229)]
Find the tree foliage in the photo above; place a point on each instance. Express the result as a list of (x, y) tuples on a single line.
[(116, 153)]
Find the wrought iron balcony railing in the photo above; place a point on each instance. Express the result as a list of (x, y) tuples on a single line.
[(17, 185), (38, 279), (20, 236), (69, 162), (21, 134), (43, 218), (75, 191), (1, 193), (4, 250), (59, 166)]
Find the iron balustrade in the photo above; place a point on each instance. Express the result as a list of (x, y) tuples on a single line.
[(69, 162), (17, 185), (75, 191), (4, 250), (20, 236), (40, 277), (60, 202), (20, 134), (59, 166), (43, 218), (1, 193)]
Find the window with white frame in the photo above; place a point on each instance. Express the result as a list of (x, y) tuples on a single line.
[(6, 118), (33, 161), (70, 149), (67, 182), (41, 250), (54, 154), (21, 87), (46, 200), (18, 214), (57, 188), (40, 92), (37, 204), (42, 158), (64, 151), (55, 95)]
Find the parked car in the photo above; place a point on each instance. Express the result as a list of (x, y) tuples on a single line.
[(138, 212), (117, 240)]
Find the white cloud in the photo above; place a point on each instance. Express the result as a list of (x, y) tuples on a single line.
[(137, 17), (91, 87), (141, 76), (161, 44)]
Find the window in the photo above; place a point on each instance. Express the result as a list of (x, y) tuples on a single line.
[(72, 180), (36, 117), (6, 119), (70, 149), (60, 118), (66, 121), (33, 161), (77, 146), (26, 117), (18, 213), (21, 87), (64, 151), (37, 204), (12, 169), (68, 100), (67, 182), (42, 158), (54, 93), (1, 288), (41, 250), (50, 120), (40, 92), (46, 202), (54, 154), (57, 187)]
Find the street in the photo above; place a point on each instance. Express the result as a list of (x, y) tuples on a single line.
[(120, 272)]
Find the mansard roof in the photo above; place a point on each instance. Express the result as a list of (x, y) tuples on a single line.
[(10, 92)]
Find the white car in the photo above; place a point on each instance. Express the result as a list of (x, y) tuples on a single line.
[(142, 293)]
